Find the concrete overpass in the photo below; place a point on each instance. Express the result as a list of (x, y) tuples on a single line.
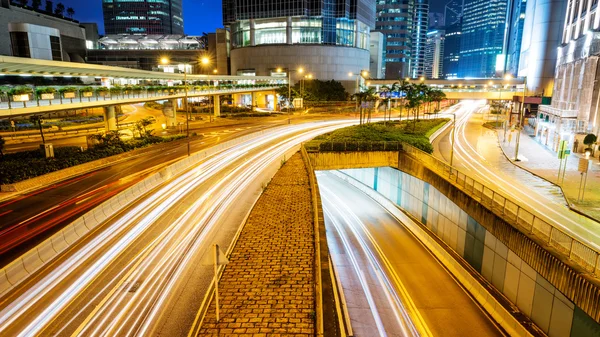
[(459, 89), (214, 85)]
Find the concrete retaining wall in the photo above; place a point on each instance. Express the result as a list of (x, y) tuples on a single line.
[(534, 295), (21, 268), (340, 160)]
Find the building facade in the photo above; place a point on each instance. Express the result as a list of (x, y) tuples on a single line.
[(37, 34), (453, 12), (377, 58), (434, 54), (419, 38), (515, 19), (451, 54), (395, 22), (143, 17), (482, 38), (576, 93), (329, 38)]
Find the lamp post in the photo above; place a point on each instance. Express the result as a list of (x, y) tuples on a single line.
[(302, 86), (204, 61), (521, 119), (289, 74)]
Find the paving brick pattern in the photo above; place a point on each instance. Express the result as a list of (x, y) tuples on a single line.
[(267, 287)]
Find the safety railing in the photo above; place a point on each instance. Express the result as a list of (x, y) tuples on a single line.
[(579, 252), (32, 99)]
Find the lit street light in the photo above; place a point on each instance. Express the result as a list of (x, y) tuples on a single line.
[(204, 61)]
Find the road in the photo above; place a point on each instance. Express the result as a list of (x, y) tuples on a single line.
[(477, 152), (392, 283), (28, 219), (142, 271)]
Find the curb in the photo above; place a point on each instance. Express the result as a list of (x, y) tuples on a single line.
[(567, 201)]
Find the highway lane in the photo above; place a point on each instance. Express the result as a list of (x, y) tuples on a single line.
[(141, 273), (481, 158), (392, 283), (28, 219)]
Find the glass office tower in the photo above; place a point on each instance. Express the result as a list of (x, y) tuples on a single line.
[(482, 38), (281, 32), (395, 20), (161, 17)]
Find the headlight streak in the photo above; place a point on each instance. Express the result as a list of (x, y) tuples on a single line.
[(403, 319), (490, 175), (132, 224)]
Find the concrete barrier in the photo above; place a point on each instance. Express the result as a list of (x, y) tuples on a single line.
[(15, 272), (500, 314)]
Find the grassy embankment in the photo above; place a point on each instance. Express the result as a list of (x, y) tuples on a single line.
[(407, 131)]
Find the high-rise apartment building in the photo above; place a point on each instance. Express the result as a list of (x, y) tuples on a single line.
[(434, 54), (419, 38), (327, 38), (143, 17), (482, 38), (395, 21)]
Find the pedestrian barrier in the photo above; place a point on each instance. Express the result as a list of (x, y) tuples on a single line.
[(27, 264)]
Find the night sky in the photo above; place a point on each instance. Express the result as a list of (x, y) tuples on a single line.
[(199, 16)]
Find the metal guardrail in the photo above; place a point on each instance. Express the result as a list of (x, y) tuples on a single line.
[(579, 252)]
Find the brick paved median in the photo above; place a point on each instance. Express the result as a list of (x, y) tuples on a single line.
[(267, 287)]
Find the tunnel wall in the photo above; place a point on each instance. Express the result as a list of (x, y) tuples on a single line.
[(535, 296)]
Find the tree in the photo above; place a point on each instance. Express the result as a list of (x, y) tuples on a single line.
[(364, 96), (35, 119), (589, 140), (283, 93), (60, 9), (70, 12), (49, 6), (35, 4), (385, 93), (2, 142), (401, 87)]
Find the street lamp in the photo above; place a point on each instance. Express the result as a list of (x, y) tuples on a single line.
[(521, 119), (204, 61)]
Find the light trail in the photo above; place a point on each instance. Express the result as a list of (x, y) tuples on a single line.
[(473, 160), (158, 266), (404, 322)]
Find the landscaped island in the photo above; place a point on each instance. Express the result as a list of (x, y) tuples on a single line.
[(380, 136)]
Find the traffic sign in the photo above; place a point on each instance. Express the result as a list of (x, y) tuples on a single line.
[(584, 165)]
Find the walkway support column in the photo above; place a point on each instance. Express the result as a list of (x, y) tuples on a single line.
[(110, 118), (172, 121), (275, 101), (217, 105), (254, 101)]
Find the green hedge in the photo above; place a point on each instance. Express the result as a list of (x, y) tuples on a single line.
[(20, 166)]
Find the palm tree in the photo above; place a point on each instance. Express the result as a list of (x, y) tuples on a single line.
[(364, 96), (60, 9), (402, 87), (385, 92), (49, 6), (70, 12)]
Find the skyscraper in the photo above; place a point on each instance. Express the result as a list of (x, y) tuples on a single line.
[(143, 17), (395, 21), (515, 19), (329, 38), (453, 12), (419, 37), (482, 38), (434, 54), (452, 50)]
